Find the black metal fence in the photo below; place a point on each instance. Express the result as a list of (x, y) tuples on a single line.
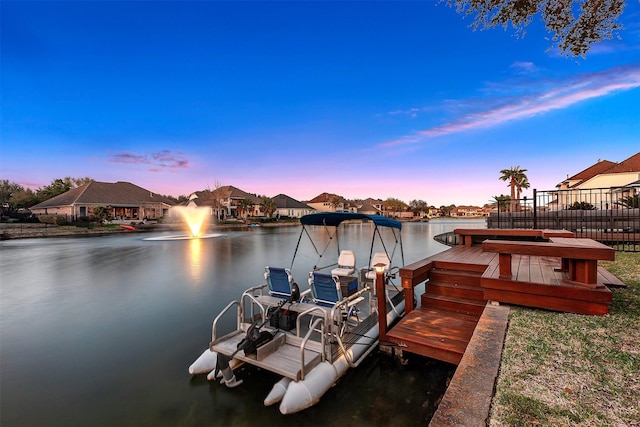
[(609, 215)]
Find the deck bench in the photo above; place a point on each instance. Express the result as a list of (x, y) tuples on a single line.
[(579, 257), (466, 234)]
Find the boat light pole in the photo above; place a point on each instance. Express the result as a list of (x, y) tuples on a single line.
[(382, 301)]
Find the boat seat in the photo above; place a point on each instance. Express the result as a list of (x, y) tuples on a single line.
[(326, 293), (377, 258), (346, 264), (280, 281)]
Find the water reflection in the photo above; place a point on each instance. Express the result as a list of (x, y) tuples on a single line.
[(100, 331), (195, 260)]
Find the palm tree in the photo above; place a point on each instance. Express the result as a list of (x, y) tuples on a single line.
[(522, 182), (629, 202), (513, 175), (336, 201), (245, 205), (268, 205), (500, 202)]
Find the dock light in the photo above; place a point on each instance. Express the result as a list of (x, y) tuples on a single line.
[(382, 301)]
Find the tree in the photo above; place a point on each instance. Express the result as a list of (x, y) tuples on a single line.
[(575, 24), (7, 191), (630, 202), (336, 201), (522, 182), (23, 199), (395, 205), (418, 206), (581, 206), (101, 214), (59, 186), (446, 210), (268, 205), (245, 205), (513, 175), (500, 202)]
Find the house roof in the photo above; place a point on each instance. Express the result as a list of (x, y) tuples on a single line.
[(323, 198), (94, 192), (206, 197), (285, 202), (369, 205), (632, 164), (593, 170)]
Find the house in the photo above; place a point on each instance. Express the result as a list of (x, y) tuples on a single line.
[(467, 211), (371, 206), (226, 202), (124, 201), (327, 202), (599, 185), (290, 207)]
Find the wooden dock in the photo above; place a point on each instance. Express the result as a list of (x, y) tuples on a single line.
[(460, 281)]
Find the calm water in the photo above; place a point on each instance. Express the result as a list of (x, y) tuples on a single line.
[(100, 332)]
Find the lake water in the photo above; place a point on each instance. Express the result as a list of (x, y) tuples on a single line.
[(100, 331)]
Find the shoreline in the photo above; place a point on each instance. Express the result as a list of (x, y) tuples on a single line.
[(13, 231)]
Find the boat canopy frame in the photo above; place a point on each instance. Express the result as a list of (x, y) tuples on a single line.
[(331, 221)]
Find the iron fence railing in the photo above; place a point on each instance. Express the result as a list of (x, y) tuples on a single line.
[(609, 215)]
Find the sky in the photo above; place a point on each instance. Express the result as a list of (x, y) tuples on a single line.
[(360, 99)]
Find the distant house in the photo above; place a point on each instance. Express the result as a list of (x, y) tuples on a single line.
[(618, 179), (371, 207), (225, 202), (327, 202), (123, 200), (290, 207), (468, 211)]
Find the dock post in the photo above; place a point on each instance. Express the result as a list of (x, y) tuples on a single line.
[(382, 301)]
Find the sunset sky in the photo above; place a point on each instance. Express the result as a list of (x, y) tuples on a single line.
[(360, 99)]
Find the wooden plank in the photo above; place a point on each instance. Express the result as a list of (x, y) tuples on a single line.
[(548, 302), (467, 400), (522, 268), (441, 334), (567, 291), (535, 270), (608, 279), (563, 247), (507, 232)]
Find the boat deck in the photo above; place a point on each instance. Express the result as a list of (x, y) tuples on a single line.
[(282, 355)]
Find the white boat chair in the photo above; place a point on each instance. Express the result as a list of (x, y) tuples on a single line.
[(377, 258), (346, 264)]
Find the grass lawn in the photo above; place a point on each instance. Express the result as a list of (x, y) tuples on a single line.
[(561, 369)]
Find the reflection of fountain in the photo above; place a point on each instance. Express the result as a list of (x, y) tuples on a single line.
[(196, 220), (195, 257)]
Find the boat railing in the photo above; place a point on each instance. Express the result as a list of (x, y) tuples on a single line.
[(303, 344), (214, 326), (302, 314), (254, 302)]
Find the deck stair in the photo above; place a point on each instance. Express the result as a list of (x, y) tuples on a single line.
[(454, 287), (448, 313)]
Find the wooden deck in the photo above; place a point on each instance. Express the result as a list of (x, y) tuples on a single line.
[(461, 280)]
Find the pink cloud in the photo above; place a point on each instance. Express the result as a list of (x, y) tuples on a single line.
[(158, 161), (562, 94)]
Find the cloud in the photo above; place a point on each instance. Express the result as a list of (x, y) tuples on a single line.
[(524, 68), (157, 161), (553, 95)]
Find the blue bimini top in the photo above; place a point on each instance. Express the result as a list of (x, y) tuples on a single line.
[(334, 219)]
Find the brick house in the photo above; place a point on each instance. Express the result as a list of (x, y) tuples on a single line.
[(124, 202)]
